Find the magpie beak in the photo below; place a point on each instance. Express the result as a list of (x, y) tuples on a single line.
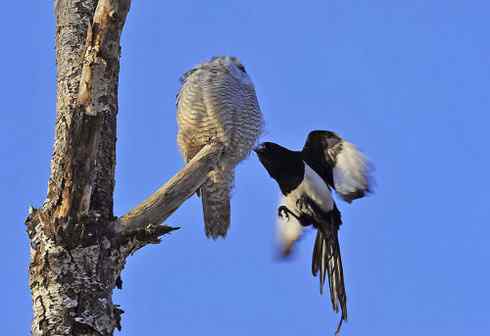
[(260, 148)]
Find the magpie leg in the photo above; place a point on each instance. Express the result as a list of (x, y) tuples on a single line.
[(310, 212), (284, 211), (301, 203), (306, 206)]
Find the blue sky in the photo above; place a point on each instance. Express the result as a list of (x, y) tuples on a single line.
[(406, 81)]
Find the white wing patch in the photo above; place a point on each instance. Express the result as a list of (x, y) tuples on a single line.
[(351, 174), (315, 188)]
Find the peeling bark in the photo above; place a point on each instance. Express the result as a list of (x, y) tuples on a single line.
[(101, 49)]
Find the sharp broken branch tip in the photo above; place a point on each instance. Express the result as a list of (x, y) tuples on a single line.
[(172, 228)]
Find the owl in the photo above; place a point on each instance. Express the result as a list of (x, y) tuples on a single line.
[(217, 102)]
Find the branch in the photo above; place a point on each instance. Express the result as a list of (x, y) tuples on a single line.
[(159, 206)]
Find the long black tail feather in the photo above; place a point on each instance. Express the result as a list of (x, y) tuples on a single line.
[(327, 262)]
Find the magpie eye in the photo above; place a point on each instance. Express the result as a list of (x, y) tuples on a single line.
[(241, 67)]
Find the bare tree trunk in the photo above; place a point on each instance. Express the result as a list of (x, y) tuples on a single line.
[(73, 268), (78, 248)]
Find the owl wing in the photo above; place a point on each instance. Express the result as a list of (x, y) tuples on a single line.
[(339, 163), (184, 79)]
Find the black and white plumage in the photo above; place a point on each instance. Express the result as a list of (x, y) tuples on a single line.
[(217, 101), (326, 162)]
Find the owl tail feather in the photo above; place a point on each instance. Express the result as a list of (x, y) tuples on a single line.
[(215, 196)]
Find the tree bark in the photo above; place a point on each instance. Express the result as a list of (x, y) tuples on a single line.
[(78, 248)]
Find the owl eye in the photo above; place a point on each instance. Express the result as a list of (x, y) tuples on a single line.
[(241, 67)]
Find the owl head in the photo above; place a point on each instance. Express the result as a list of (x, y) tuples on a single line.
[(234, 66), (230, 63)]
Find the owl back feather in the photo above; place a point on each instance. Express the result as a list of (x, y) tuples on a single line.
[(217, 101)]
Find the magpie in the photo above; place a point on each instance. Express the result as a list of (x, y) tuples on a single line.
[(306, 179)]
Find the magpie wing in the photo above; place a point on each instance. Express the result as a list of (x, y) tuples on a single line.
[(340, 164)]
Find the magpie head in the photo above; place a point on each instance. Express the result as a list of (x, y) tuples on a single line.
[(270, 153), (281, 163)]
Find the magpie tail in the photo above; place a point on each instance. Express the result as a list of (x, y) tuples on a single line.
[(327, 262)]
